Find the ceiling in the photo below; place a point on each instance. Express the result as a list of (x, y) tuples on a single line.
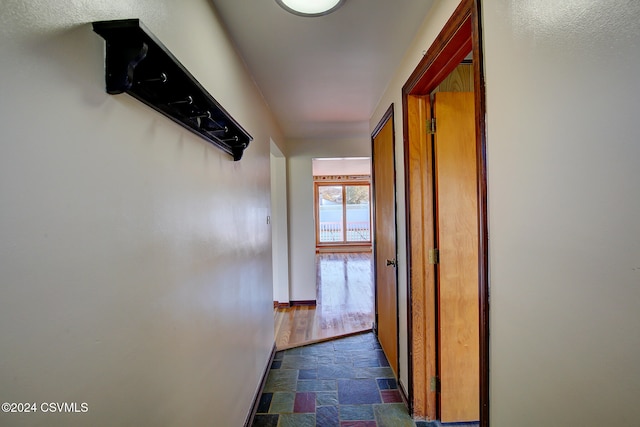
[(322, 77)]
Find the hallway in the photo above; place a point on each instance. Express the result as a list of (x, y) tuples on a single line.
[(345, 382), (345, 304)]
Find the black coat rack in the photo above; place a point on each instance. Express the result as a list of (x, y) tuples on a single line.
[(139, 64)]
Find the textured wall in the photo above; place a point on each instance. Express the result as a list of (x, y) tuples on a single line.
[(564, 237), (135, 258)]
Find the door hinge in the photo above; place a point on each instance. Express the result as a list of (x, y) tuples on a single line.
[(435, 384), (434, 256), (431, 126)]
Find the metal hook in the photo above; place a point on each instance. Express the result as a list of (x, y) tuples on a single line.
[(234, 139), (205, 115), (162, 79), (219, 131), (188, 100)]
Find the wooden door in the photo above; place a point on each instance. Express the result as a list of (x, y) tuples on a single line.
[(384, 244), (457, 240)]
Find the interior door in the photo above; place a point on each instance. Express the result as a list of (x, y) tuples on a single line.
[(457, 241), (384, 245)]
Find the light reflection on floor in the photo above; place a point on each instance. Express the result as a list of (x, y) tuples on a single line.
[(345, 302)]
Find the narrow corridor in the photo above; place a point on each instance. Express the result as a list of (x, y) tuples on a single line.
[(346, 382)]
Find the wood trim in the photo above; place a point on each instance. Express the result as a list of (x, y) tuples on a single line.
[(420, 238), (383, 121), (316, 211), (449, 48), (483, 216), (407, 215), (342, 178), (308, 302), (333, 249), (462, 33), (248, 422), (277, 304)]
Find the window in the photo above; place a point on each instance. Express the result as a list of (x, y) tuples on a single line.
[(343, 213)]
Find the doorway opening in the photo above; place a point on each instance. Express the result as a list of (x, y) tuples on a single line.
[(344, 303), (278, 220), (425, 189), (343, 228)]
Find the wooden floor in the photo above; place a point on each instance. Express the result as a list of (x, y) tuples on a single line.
[(345, 302)]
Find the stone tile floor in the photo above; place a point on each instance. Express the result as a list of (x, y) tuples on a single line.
[(345, 383)]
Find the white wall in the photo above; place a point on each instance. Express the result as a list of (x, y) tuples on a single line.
[(341, 166), (563, 96), (564, 235), (302, 240), (135, 258), (279, 225), (433, 23)]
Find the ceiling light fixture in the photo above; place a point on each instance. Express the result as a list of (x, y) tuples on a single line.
[(310, 7)]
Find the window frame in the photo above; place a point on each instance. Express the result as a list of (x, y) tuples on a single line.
[(343, 182)]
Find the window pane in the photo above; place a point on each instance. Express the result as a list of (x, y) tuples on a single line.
[(330, 213), (358, 216)]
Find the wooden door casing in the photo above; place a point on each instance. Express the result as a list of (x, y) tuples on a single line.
[(461, 34), (420, 220)]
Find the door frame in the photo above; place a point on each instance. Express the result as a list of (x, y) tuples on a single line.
[(387, 117), (460, 35)]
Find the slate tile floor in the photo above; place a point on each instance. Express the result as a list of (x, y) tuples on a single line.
[(343, 383)]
